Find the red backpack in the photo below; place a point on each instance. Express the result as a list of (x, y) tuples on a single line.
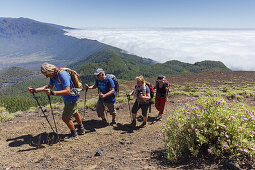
[(151, 89)]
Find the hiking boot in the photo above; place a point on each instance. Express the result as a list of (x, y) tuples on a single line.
[(71, 136), (159, 117), (143, 124), (133, 124), (81, 131), (113, 122), (104, 122)]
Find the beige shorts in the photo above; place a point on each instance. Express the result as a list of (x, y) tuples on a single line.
[(101, 108)]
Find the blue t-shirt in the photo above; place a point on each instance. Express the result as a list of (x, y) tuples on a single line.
[(105, 88), (66, 81)]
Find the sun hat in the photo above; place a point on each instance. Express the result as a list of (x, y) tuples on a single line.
[(161, 78)]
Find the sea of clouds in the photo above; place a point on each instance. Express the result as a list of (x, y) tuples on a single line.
[(235, 48)]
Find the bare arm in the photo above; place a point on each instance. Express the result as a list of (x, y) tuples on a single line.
[(90, 87), (131, 93), (108, 93), (39, 89), (145, 97), (64, 92)]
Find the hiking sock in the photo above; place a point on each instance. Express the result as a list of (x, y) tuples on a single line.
[(80, 126), (80, 130), (113, 122)]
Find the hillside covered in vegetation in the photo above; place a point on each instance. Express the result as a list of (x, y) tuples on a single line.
[(127, 67), (26, 42)]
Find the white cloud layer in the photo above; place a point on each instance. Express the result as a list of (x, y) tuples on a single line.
[(235, 48)]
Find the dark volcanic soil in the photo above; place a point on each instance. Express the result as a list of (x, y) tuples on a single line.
[(27, 142)]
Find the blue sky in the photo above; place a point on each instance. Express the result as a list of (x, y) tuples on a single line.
[(135, 13)]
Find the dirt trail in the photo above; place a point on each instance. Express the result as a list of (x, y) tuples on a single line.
[(124, 147)]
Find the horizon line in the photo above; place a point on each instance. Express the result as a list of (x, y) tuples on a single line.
[(149, 27)]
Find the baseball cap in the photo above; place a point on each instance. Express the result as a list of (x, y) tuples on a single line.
[(98, 71)]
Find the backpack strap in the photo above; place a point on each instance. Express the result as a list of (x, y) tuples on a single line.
[(157, 84), (108, 83), (51, 81), (59, 79)]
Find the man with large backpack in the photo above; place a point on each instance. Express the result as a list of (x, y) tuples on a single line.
[(107, 96), (62, 81), (162, 89)]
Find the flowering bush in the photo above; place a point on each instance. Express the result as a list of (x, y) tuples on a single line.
[(4, 115), (212, 125)]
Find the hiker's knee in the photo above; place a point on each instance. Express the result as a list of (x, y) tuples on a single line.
[(100, 113), (111, 107), (66, 119)]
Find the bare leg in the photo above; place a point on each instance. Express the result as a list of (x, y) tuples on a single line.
[(68, 122), (113, 116), (77, 117), (145, 118), (133, 116)]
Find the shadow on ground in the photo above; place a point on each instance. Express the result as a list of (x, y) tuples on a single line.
[(92, 125), (36, 142), (186, 163)]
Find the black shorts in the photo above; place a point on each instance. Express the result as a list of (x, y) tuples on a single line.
[(143, 106)]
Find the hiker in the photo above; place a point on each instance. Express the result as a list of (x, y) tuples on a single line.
[(107, 95), (162, 89), (63, 89), (143, 97)]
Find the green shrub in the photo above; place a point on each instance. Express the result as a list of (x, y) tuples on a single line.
[(225, 89), (179, 93), (80, 104), (212, 126), (91, 103), (54, 106), (230, 95), (17, 114), (249, 93), (196, 94), (187, 88), (4, 115), (239, 97), (121, 99), (31, 110)]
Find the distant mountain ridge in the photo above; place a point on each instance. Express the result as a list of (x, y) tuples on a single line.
[(29, 43), (127, 67), (26, 41)]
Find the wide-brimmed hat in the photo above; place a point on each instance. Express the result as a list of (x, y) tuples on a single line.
[(161, 78), (98, 71)]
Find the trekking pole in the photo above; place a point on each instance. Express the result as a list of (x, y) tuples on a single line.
[(129, 108), (43, 112), (85, 100), (105, 111), (106, 117), (53, 114)]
